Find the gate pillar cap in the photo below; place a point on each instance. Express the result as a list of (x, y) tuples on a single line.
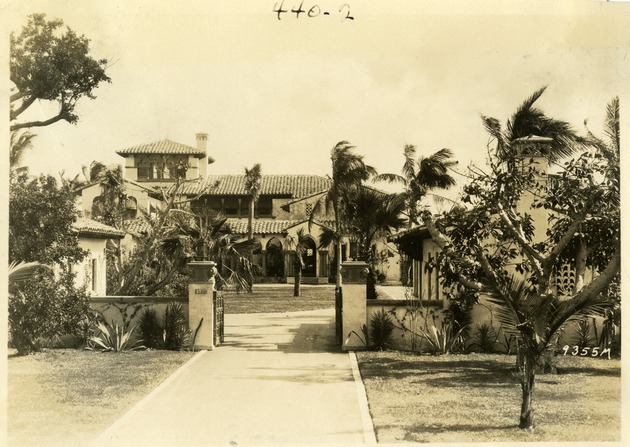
[(354, 272), (203, 271)]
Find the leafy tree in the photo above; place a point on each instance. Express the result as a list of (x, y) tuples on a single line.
[(420, 177), (48, 64), (41, 214), (497, 247), (43, 308)]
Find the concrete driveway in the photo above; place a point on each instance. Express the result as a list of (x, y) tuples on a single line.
[(279, 379)]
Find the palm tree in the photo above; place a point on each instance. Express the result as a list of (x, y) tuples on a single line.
[(372, 216), (204, 235), (348, 171), (298, 245), (252, 185), (109, 207), (535, 322), (527, 121), (421, 176)]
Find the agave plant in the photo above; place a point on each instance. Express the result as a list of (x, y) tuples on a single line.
[(444, 339), (114, 338)]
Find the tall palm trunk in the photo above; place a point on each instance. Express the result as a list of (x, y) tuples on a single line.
[(297, 279), (250, 219), (337, 248)]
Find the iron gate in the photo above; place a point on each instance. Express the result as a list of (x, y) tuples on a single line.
[(339, 316), (219, 322)]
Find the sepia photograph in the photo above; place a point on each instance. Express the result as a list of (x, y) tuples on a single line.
[(313, 222)]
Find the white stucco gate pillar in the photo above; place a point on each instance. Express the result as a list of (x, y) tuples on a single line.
[(354, 305), (200, 303)]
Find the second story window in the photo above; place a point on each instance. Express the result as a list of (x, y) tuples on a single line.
[(144, 173), (265, 206), (230, 207)]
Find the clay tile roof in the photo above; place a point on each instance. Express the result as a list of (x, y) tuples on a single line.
[(261, 226), (91, 228), (292, 186), (137, 227), (162, 147)]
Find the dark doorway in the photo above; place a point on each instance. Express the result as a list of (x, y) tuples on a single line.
[(310, 259)]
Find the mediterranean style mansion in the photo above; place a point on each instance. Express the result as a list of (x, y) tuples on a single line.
[(284, 207)]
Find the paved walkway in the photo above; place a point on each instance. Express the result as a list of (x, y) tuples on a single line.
[(278, 379)]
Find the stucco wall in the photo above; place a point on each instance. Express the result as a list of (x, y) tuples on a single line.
[(130, 308), (95, 260)]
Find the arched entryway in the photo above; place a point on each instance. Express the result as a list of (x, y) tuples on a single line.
[(310, 259)]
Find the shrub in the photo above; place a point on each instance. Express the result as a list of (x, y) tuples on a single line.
[(176, 332), (45, 308), (382, 328), (151, 330), (114, 338), (583, 337), (484, 339), (86, 327)]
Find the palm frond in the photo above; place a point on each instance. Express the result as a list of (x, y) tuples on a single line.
[(20, 271), (611, 125), (19, 144), (507, 298), (409, 166), (327, 237), (390, 178), (433, 170)]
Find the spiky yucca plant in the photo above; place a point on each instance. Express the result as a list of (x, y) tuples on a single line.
[(176, 332)]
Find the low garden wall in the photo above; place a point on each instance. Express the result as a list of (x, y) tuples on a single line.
[(128, 309)]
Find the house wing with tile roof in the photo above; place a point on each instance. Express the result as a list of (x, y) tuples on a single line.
[(161, 162), (227, 194)]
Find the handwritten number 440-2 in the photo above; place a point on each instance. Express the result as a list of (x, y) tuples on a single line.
[(313, 11)]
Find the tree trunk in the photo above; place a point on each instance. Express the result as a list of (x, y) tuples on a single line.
[(297, 278), (250, 220), (527, 363)]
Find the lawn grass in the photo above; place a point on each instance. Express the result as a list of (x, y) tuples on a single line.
[(477, 398), (66, 397), (272, 299)]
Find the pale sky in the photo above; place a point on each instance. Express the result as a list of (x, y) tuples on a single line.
[(283, 92)]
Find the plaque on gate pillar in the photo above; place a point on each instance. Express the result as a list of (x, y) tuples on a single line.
[(354, 278), (200, 302)]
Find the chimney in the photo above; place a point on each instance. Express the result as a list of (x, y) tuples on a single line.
[(202, 145), (202, 141)]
